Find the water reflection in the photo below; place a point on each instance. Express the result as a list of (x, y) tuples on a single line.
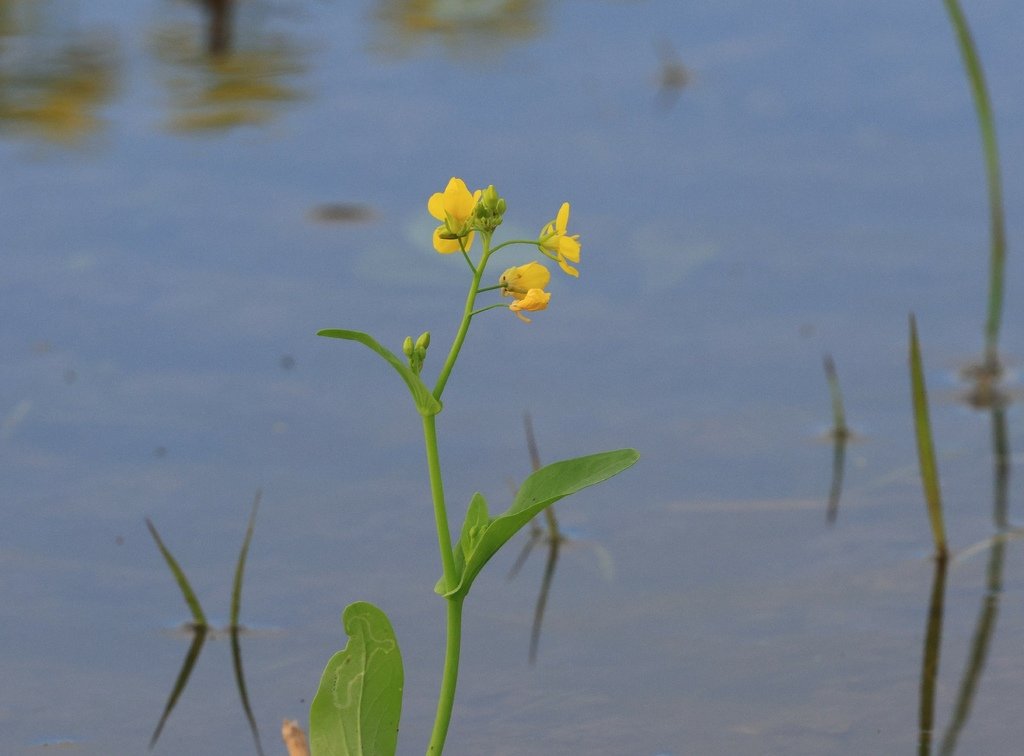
[(930, 658), (984, 627), (460, 25), (840, 435), (200, 630), (673, 76), (554, 537), (54, 77), (232, 73)]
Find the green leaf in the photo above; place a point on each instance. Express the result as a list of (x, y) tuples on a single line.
[(356, 709), (473, 529), (425, 401), (542, 489), (198, 618)]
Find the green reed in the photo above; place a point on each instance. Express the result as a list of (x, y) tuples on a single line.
[(201, 629), (986, 122), (925, 446)]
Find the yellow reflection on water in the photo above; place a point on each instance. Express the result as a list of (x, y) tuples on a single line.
[(53, 77), (224, 75), (458, 24)]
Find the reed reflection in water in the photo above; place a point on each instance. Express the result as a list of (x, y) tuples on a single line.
[(201, 630), (235, 72)]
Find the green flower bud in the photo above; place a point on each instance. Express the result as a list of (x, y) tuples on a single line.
[(407, 347), (490, 198), (424, 340), (421, 354)]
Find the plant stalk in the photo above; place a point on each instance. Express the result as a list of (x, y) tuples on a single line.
[(446, 698)]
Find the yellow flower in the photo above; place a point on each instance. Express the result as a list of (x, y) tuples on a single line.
[(518, 282), (558, 245), (533, 300), (454, 208)]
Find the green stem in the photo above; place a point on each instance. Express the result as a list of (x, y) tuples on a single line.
[(467, 316), (489, 307), (446, 698), (986, 121), (510, 242), (444, 536)]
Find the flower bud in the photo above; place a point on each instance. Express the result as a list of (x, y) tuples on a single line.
[(423, 341), (407, 347)]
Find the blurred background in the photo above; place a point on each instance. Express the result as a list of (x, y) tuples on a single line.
[(190, 190)]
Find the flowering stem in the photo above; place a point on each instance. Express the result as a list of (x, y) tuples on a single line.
[(467, 315), (488, 307), (446, 698), (531, 242), (444, 537)]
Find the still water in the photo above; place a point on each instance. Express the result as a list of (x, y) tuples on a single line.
[(188, 195)]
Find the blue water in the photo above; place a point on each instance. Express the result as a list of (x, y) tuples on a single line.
[(819, 177)]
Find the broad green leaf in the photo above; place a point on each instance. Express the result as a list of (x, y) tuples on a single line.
[(356, 709), (542, 489), (425, 401)]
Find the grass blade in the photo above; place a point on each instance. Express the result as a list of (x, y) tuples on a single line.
[(198, 618), (236, 590), (986, 123), (925, 447), (839, 429), (236, 647)]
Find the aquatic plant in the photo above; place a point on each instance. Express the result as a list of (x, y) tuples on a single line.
[(357, 707), (925, 446), (839, 434), (990, 366), (201, 629)]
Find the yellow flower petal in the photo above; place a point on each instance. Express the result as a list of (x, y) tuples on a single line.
[(562, 219), (534, 300), (569, 247), (517, 282), (568, 268), (435, 205), (447, 246), (459, 201)]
